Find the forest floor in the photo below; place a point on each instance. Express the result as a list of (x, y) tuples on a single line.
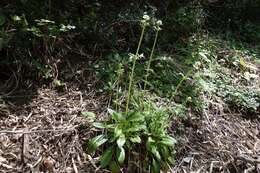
[(48, 134), (42, 130)]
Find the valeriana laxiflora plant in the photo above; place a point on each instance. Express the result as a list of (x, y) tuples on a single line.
[(144, 126)]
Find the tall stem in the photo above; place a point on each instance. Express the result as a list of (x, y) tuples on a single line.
[(180, 83), (150, 58), (117, 93), (132, 72)]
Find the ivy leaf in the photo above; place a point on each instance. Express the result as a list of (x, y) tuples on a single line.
[(106, 157)]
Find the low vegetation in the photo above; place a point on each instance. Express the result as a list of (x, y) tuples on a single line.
[(155, 64)]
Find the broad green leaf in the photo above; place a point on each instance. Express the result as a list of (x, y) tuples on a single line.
[(99, 125), (97, 141), (118, 132), (89, 115), (135, 117), (169, 141), (156, 153), (156, 166), (106, 157), (121, 155), (150, 142), (117, 116), (135, 139), (114, 167), (121, 141)]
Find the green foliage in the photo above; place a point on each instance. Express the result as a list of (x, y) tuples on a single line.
[(143, 123), (125, 133), (226, 73), (147, 87)]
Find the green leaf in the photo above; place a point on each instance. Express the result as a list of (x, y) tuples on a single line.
[(118, 132), (97, 141), (135, 116), (121, 141), (165, 152), (150, 142), (121, 155), (155, 152), (2, 20), (89, 115), (156, 166), (99, 125), (117, 116), (135, 139), (106, 157), (169, 141), (114, 167)]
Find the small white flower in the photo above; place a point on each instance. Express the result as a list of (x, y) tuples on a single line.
[(159, 23), (66, 27), (146, 20), (16, 18), (146, 17), (141, 56)]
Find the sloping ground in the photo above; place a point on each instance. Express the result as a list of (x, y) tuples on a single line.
[(49, 134), (221, 142)]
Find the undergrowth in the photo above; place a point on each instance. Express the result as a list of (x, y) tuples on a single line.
[(137, 130), (147, 93)]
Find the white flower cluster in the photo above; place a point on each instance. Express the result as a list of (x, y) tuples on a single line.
[(148, 21), (133, 57), (65, 28), (157, 25)]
